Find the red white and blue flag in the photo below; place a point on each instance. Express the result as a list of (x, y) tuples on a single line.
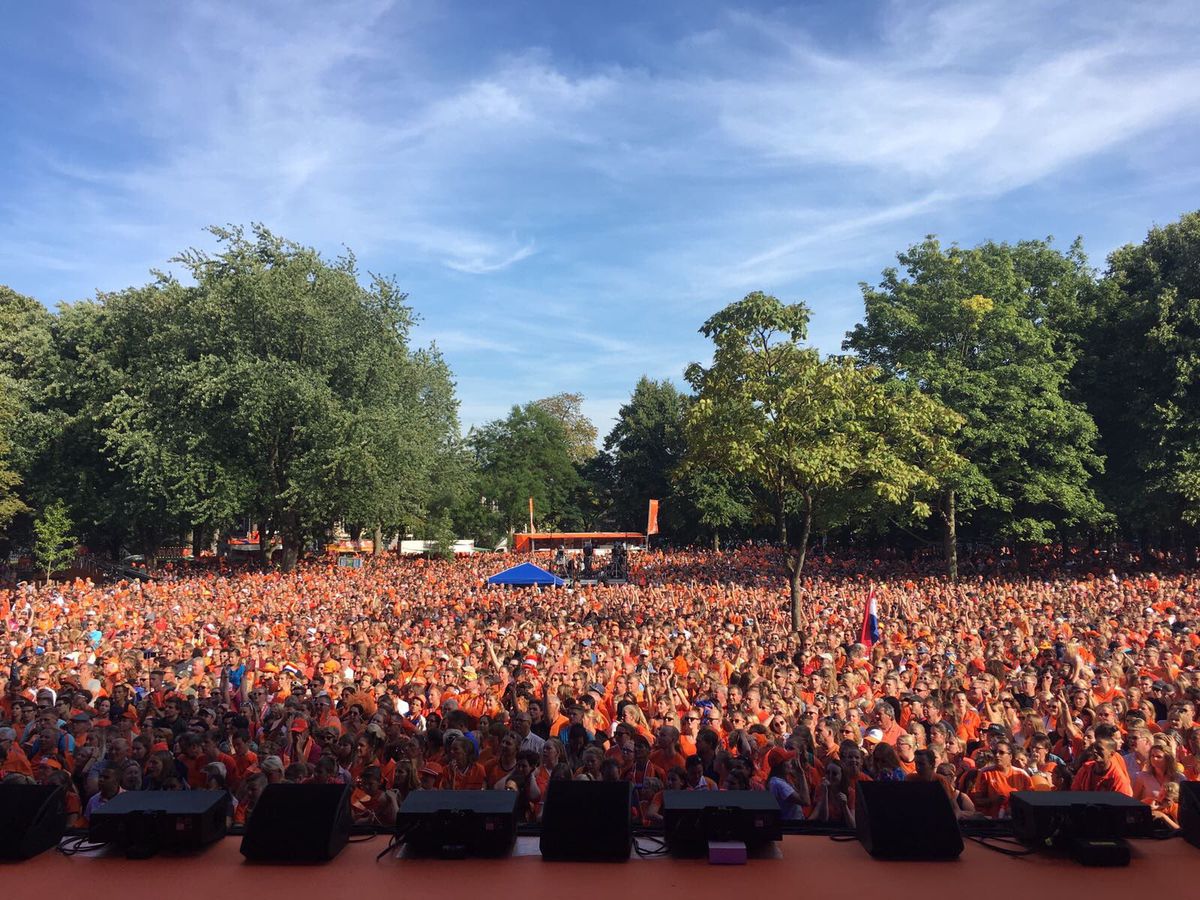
[(870, 625)]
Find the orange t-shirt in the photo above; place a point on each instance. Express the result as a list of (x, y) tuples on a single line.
[(968, 728), (473, 779), (992, 783)]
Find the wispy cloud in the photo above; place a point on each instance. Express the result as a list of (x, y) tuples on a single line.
[(478, 265), (529, 187)]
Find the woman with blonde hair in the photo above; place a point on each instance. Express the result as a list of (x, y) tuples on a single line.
[(1161, 770)]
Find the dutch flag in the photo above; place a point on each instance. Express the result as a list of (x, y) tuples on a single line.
[(870, 625)]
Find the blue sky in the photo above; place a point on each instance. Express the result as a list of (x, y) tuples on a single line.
[(568, 190)]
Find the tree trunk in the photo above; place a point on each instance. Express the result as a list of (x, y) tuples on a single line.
[(716, 541), (950, 537), (293, 539), (796, 566), (264, 545), (150, 551), (201, 539), (377, 541), (780, 521)]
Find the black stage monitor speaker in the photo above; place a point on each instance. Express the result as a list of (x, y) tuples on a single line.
[(298, 823), (145, 822), (1053, 817), (1189, 812), (32, 819), (458, 824), (587, 821), (907, 820), (693, 818)]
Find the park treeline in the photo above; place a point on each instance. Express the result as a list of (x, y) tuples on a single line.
[(1005, 393)]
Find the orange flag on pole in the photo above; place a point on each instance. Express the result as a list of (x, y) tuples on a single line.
[(531, 515), (652, 519)]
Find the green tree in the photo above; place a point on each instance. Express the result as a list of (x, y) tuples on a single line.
[(444, 537), (721, 500), (54, 545), (1140, 343), (526, 455), (581, 434), (26, 357), (821, 438), (10, 502), (989, 332), (646, 445), (278, 385), (592, 503), (63, 382)]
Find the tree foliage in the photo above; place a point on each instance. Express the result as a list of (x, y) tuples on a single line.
[(1140, 346), (54, 546), (275, 386), (819, 437), (10, 502), (526, 455), (987, 331), (646, 446), (581, 434)]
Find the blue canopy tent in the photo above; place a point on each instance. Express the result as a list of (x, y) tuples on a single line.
[(527, 575)]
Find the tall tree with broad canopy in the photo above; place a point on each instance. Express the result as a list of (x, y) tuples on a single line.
[(26, 357), (10, 502), (580, 432), (988, 332), (277, 385), (646, 446), (821, 438), (1140, 337), (526, 455)]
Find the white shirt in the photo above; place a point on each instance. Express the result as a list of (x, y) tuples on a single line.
[(532, 742)]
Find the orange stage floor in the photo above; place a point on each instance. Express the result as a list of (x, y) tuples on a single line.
[(808, 867)]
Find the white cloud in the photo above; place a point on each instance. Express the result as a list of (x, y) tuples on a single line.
[(598, 209), (480, 265)]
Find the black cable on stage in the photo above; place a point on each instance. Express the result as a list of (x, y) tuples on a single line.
[(79, 844), (659, 847), (1005, 851), (397, 840)]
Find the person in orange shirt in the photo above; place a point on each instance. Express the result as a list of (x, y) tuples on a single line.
[(463, 773), (994, 784), (1102, 772), (966, 721), (12, 757), (505, 761), (1105, 691), (667, 754), (906, 749)]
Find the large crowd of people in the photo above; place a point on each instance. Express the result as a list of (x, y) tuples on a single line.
[(408, 675)]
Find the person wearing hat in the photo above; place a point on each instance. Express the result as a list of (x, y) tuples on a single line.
[(301, 746), (786, 783), (431, 776)]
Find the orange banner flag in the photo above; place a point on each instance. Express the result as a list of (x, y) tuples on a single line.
[(652, 519)]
